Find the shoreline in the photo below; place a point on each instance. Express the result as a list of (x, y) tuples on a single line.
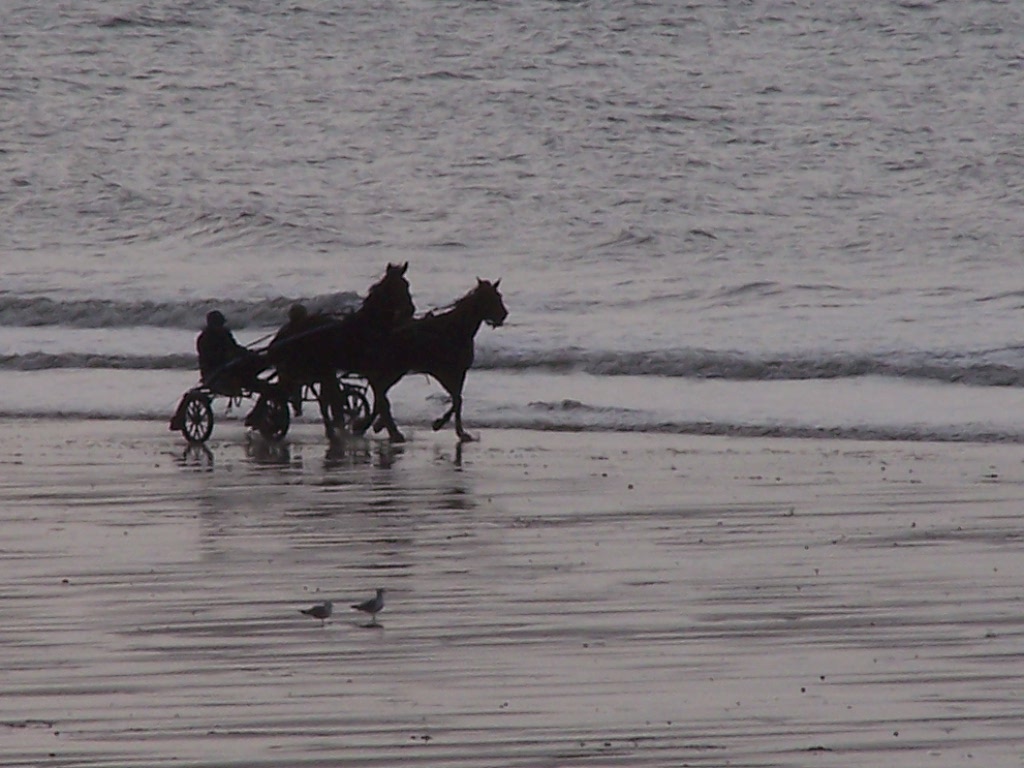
[(603, 598), (856, 409)]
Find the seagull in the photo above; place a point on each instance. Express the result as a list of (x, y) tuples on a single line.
[(373, 606), (322, 611)]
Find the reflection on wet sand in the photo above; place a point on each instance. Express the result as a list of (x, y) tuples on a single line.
[(197, 456), (269, 452), (552, 599), (355, 451)]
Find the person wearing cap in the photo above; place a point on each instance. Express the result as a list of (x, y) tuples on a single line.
[(220, 355), (227, 368), (298, 316)]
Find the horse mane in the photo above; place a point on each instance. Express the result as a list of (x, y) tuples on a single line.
[(379, 291), (372, 293), (452, 306)]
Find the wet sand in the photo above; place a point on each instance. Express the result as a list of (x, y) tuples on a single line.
[(554, 599)]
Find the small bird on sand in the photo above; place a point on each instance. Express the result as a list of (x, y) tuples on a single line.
[(322, 611), (373, 606)]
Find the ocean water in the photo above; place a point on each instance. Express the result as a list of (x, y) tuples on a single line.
[(730, 217)]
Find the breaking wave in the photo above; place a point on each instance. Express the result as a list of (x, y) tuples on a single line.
[(571, 416), (734, 366), (687, 364), (19, 311)]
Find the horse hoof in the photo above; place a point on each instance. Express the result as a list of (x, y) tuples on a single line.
[(465, 437)]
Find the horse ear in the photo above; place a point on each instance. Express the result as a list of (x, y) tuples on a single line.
[(405, 267), (496, 283)]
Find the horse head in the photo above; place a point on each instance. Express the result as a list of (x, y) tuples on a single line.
[(389, 300), (489, 302)]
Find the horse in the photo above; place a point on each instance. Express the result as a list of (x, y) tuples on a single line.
[(438, 344), (311, 350)]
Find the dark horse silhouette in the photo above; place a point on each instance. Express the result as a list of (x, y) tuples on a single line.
[(312, 350), (439, 344)]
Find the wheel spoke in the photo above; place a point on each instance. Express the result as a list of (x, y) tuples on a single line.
[(198, 423)]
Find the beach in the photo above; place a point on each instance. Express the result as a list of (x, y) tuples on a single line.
[(553, 598), (751, 468)]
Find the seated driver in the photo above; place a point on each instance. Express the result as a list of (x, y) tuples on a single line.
[(225, 366), (298, 316)]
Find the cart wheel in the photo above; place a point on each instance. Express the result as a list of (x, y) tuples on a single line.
[(276, 420), (198, 424), (355, 408)]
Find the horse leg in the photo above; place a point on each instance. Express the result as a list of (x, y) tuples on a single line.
[(256, 416), (382, 413), (268, 392), (464, 436), (373, 418), (323, 400), (325, 414), (335, 399), (453, 385), (443, 419), (360, 427)]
